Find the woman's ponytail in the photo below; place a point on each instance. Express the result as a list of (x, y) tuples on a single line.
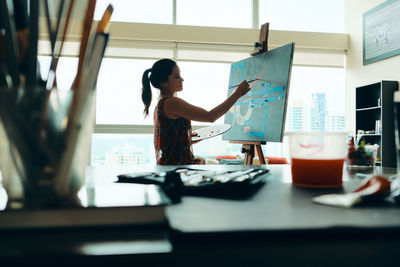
[(146, 92), (159, 73)]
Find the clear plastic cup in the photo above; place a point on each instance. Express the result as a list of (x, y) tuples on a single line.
[(317, 158)]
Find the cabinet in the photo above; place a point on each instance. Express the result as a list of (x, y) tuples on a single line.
[(375, 119)]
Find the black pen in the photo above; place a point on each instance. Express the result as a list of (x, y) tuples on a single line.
[(248, 175), (231, 176)]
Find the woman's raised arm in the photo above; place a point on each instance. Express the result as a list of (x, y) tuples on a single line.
[(176, 107)]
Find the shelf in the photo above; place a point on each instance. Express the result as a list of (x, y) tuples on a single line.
[(370, 108), (374, 113)]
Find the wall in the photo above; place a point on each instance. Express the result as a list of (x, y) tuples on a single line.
[(356, 73)]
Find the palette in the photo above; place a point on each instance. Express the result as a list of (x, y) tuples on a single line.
[(211, 131)]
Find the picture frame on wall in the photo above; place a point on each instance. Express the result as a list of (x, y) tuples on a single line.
[(381, 32)]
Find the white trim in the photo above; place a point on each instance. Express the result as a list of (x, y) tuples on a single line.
[(132, 34), (200, 52), (208, 44), (123, 129)]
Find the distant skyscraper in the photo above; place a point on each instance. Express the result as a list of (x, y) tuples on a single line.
[(296, 116), (335, 123), (124, 156), (318, 112)]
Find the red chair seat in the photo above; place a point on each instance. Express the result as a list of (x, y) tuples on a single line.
[(225, 157), (277, 160)]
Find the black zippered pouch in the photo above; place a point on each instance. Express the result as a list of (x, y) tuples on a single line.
[(193, 182)]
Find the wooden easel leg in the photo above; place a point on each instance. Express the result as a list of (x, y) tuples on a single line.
[(260, 154), (249, 154)]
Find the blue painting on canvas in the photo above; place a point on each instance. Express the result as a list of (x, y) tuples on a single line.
[(260, 114)]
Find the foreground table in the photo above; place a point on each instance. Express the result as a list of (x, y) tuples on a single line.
[(281, 226), (278, 225)]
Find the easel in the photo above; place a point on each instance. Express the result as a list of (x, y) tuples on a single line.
[(262, 45), (250, 147)]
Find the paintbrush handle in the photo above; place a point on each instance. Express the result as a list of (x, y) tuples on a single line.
[(84, 41), (105, 19)]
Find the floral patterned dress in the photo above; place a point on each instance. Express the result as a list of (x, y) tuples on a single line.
[(172, 138)]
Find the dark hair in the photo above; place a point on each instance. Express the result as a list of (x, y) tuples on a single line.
[(159, 73)]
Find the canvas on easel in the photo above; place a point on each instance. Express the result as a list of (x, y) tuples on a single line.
[(260, 114)]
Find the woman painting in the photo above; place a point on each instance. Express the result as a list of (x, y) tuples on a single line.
[(173, 115)]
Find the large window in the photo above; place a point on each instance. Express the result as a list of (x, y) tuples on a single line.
[(148, 11), (304, 15), (122, 136), (119, 89), (119, 92), (64, 78), (221, 13), (316, 99), (292, 15), (122, 149), (316, 103), (205, 84), (131, 149)]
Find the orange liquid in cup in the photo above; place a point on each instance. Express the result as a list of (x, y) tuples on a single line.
[(317, 172)]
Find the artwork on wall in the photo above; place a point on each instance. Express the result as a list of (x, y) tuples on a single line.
[(381, 32)]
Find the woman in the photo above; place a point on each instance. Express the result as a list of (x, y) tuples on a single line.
[(173, 115)]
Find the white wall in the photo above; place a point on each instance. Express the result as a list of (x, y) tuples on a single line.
[(356, 73)]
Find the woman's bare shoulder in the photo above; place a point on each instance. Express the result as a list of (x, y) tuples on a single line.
[(174, 100), (172, 105)]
